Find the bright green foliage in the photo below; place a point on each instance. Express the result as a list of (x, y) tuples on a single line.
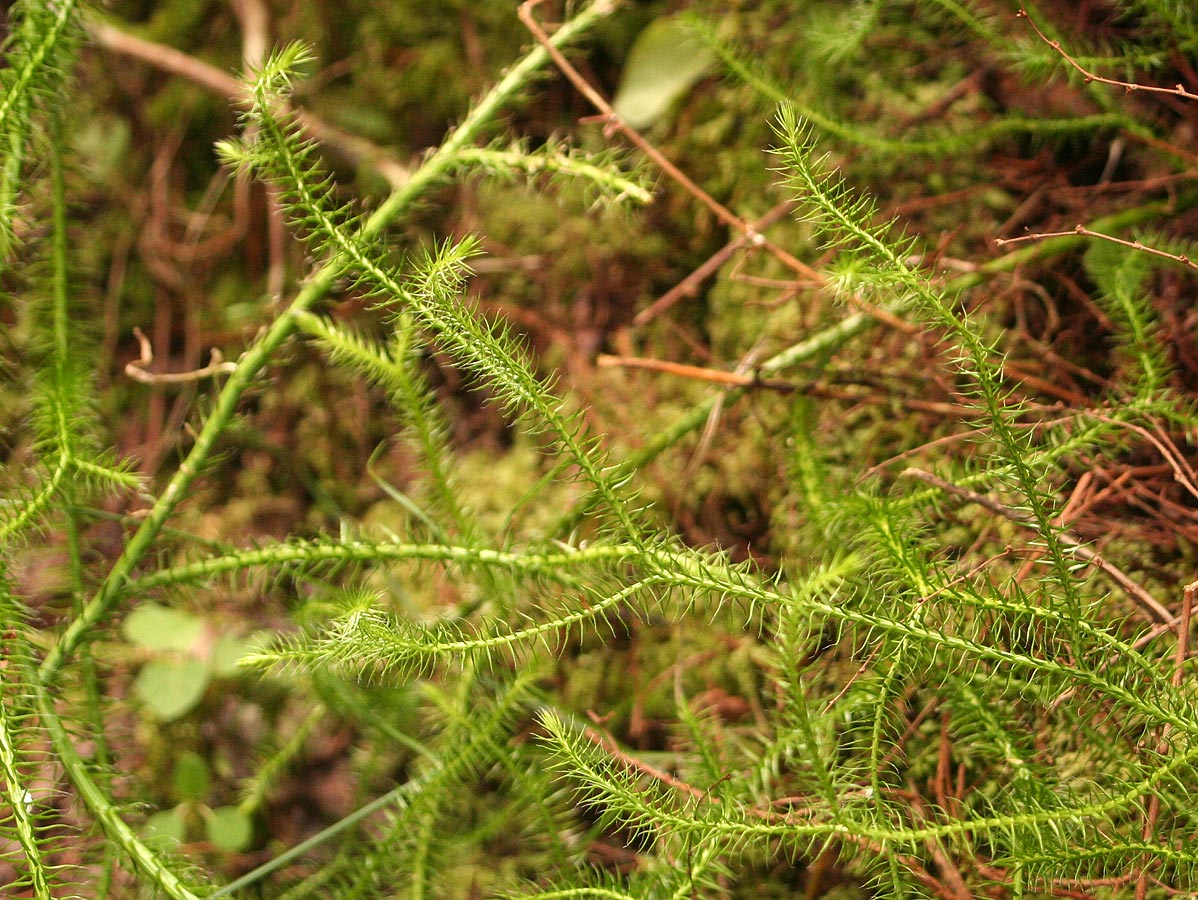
[(927, 627)]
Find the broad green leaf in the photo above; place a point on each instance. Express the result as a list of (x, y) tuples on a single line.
[(158, 628), (171, 687), (666, 60), (228, 828)]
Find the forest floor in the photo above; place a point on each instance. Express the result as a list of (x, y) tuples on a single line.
[(639, 313)]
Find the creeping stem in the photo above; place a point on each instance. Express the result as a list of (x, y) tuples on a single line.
[(261, 351)]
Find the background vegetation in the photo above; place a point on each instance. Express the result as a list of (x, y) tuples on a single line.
[(418, 482)]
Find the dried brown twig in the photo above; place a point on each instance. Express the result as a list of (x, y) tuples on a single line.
[(689, 285), (698, 373), (138, 372), (356, 149), (1128, 86), (1152, 608), (614, 122), (1086, 232)]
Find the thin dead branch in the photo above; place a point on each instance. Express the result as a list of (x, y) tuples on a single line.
[(1130, 87), (355, 149), (615, 123), (1152, 608), (138, 371), (1086, 232)]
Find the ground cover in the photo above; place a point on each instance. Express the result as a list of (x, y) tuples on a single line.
[(612, 450)]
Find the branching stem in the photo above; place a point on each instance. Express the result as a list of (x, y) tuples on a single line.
[(259, 355)]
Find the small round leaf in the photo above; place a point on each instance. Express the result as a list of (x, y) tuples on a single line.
[(158, 628), (171, 687), (228, 828)]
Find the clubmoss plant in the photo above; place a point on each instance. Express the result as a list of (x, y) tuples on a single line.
[(946, 690)]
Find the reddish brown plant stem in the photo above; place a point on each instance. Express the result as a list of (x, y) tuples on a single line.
[(616, 123)]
